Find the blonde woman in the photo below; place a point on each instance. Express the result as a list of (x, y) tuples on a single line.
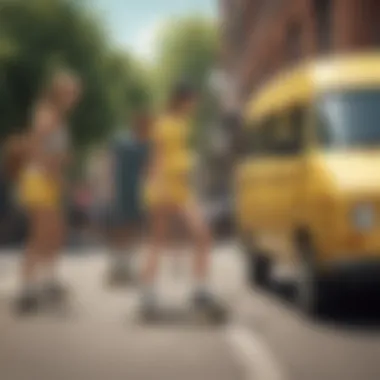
[(41, 187), (169, 194)]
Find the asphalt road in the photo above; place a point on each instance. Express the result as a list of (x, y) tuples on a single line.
[(97, 334)]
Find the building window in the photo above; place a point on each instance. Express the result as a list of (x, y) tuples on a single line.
[(372, 18), (294, 38), (322, 11)]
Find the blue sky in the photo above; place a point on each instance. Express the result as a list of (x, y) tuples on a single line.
[(134, 23)]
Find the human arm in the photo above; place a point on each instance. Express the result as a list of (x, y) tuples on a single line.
[(44, 120)]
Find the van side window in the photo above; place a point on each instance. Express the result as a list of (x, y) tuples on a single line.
[(284, 133), (250, 140), (274, 136), (255, 137), (268, 129), (296, 125), (323, 130), (243, 141)]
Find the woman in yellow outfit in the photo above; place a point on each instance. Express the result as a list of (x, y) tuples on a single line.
[(169, 193), (41, 185)]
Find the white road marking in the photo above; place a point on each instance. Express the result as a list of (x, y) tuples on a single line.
[(253, 354)]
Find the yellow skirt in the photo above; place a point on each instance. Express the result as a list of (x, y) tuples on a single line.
[(36, 189), (175, 193)]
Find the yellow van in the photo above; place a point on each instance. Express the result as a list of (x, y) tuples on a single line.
[(308, 182)]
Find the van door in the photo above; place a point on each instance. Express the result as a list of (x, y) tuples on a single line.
[(287, 175), (245, 186), (263, 194)]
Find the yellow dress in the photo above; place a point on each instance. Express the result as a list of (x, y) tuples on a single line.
[(37, 190), (171, 185)]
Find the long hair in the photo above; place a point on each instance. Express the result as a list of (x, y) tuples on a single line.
[(16, 153), (181, 93), (57, 81)]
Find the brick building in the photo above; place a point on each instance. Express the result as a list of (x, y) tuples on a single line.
[(261, 37)]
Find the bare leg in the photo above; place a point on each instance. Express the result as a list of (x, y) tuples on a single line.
[(158, 228), (203, 298), (120, 243), (118, 240), (130, 242), (202, 240), (35, 250), (55, 236), (36, 246), (157, 240), (178, 246)]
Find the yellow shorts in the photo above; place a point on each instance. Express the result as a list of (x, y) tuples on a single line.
[(37, 190), (172, 193)]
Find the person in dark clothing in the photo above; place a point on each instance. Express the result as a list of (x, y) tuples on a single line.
[(4, 206), (129, 153)]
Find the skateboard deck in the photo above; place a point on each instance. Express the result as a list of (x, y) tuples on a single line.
[(46, 306), (184, 315), (120, 280)]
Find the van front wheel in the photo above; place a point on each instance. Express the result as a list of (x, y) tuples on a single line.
[(260, 269), (311, 293)]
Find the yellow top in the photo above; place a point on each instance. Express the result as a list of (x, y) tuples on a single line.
[(302, 83), (171, 141)]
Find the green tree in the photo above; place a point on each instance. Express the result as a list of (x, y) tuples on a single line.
[(129, 84), (36, 37), (187, 50)]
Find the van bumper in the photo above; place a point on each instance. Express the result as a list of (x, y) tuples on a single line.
[(362, 269)]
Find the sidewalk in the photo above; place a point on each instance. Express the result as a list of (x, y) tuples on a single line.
[(99, 338)]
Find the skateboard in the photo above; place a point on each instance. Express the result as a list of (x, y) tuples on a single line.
[(57, 300), (26, 306), (217, 315), (120, 279)]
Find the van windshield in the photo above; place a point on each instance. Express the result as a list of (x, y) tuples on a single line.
[(349, 119)]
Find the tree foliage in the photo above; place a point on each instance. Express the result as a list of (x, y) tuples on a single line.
[(38, 36), (187, 50)]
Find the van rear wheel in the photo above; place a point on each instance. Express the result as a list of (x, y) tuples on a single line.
[(258, 264), (311, 295), (260, 267)]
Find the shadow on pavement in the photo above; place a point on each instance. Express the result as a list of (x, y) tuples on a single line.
[(351, 305)]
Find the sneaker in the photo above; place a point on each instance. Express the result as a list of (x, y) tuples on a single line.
[(27, 303), (119, 276), (148, 306), (208, 305), (55, 292), (202, 298)]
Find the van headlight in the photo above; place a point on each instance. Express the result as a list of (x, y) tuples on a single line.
[(363, 216)]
